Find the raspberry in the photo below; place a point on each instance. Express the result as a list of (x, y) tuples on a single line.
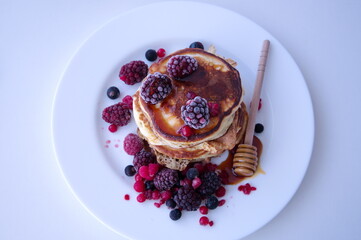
[(213, 109), (188, 199), (117, 114), (196, 183), (199, 167), (210, 183), (144, 172), (153, 169), (126, 197), (137, 177), (143, 158), (166, 179), (128, 100), (156, 195), (165, 195), (139, 186), (181, 66), (155, 88), (141, 197), (133, 144), (133, 72), (195, 113), (148, 194)]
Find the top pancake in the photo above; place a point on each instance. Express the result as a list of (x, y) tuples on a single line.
[(215, 80)]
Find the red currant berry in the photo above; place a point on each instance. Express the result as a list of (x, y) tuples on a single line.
[(203, 221), (161, 52), (113, 128), (203, 210), (186, 131)]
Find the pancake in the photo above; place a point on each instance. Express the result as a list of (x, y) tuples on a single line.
[(179, 158), (215, 80)]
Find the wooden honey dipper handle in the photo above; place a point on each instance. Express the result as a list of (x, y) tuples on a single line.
[(245, 160)]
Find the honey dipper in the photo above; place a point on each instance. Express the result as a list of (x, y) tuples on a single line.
[(245, 159)]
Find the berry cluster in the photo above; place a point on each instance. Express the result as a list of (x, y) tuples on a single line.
[(179, 190)]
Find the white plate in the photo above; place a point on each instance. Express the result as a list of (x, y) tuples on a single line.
[(94, 168)]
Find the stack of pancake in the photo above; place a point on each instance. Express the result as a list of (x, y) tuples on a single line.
[(216, 81)]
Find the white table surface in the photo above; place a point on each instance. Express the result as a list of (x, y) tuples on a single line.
[(37, 38)]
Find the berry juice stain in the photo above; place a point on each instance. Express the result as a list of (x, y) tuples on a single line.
[(107, 141), (106, 146), (116, 145)]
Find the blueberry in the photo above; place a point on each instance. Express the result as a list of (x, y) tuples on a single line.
[(196, 45), (151, 55), (149, 185), (212, 202), (258, 128), (175, 214), (113, 92), (171, 203), (129, 170), (192, 173)]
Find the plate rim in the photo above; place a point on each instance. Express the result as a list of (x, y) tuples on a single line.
[(115, 18)]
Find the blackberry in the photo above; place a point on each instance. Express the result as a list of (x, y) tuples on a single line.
[(155, 88), (181, 66), (212, 202), (195, 113), (151, 55), (196, 45), (258, 128), (133, 72), (171, 203), (188, 199), (143, 158), (113, 92), (129, 170), (117, 114), (210, 183), (165, 179), (175, 214)]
